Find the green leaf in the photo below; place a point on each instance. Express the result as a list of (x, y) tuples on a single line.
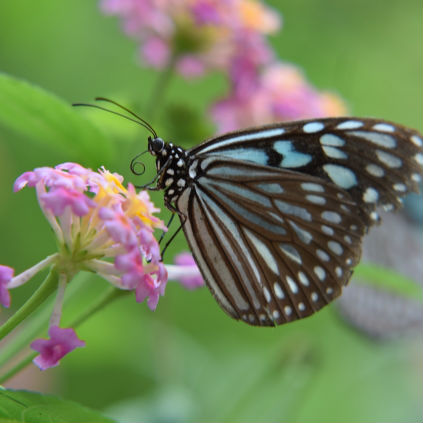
[(25, 406), (388, 280), (46, 119)]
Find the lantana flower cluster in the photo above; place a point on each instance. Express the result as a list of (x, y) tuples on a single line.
[(196, 35), (101, 227)]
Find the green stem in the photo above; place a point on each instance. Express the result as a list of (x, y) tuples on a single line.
[(162, 83), (40, 295), (109, 296)]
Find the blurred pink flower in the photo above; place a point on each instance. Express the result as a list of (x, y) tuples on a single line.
[(280, 93), (196, 34), (190, 276), (6, 274), (61, 342)]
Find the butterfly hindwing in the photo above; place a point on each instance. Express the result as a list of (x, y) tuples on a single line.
[(273, 245)]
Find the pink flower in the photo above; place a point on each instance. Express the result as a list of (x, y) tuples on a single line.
[(190, 276), (269, 94), (61, 342), (155, 52), (58, 199), (6, 274), (209, 33), (100, 225)]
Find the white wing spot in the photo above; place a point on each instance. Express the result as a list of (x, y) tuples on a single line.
[(416, 177), (192, 172), (416, 141), (267, 295), (291, 157), (327, 229), (332, 217), (302, 234), (314, 296), (353, 227), (371, 195), (264, 251), (311, 186), (287, 310), (340, 175), (303, 279), (251, 318), (320, 272), (180, 163), (293, 210), (400, 187), (263, 317), (316, 199), (350, 124), (313, 127), (374, 216), (334, 153), (348, 261), (329, 290), (323, 255), (388, 207), (292, 285), (384, 127), (301, 306), (348, 239), (168, 182), (170, 172), (338, 271), (278, 291), (419, 158), (375, 170), (332, 140), (181, 183), (382, 140), (272, 188), (291, 252), (276, 314), (389, 160), (335, 247)]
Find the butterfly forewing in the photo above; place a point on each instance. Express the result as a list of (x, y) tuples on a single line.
[(375, 161)]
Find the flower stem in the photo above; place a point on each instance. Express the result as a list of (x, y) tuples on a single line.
[(40, 295), (109, 296), (160, 87)]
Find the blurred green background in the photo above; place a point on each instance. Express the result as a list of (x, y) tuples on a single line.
[(188, 361)]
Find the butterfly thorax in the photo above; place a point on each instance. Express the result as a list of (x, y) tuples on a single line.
[(172, 163)]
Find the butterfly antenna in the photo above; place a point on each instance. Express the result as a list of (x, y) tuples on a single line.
[(95, 106), (129, 111)]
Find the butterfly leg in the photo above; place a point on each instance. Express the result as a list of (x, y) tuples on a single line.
[(168, 226), (158, 187), (183, 220)]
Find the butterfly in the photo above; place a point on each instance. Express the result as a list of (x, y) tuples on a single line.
[(275, 215)]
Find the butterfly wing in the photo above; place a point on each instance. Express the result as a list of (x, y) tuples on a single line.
[(273, 245), (375, 161)]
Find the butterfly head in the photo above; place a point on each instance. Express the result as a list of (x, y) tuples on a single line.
[(155, 145)]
